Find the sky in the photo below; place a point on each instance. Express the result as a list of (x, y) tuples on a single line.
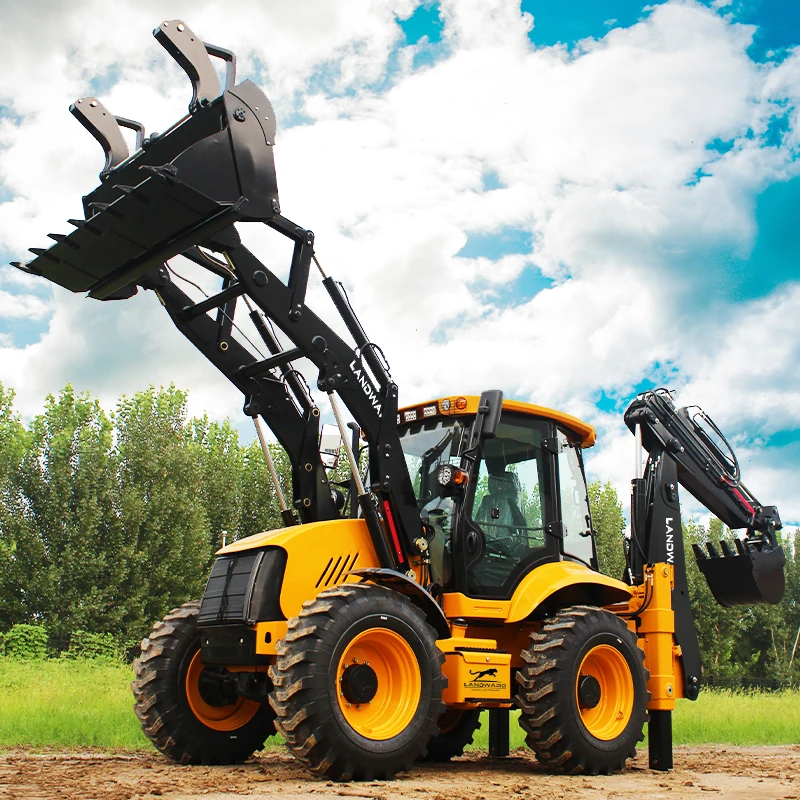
[(572, 202)]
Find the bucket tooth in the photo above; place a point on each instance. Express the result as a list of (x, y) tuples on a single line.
[(85, 224), (753, 574), (62, 237), (107, 207), (25, 267), (42, 252), (126, 190)]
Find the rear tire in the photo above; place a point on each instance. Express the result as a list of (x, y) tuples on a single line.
[(456, 730), (583, 692), (358, 683), (174, 715)]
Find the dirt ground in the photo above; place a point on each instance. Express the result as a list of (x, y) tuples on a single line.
[(732, 773)]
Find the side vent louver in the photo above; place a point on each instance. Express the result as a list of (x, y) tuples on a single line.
[(335, 570)]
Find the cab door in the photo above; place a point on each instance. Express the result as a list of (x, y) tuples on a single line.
[(506, 522)]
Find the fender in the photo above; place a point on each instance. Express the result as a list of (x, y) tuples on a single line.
[(544, 581), (392, 579)]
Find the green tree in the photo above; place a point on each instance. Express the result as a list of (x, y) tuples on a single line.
[(716, 626), (160, 506), (221, 461), (13, 445), (62, 569), (609, 523)]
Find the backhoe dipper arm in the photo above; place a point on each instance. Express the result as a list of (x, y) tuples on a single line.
[(682, 451)]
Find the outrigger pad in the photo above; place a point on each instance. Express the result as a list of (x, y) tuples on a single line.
[(753, 574)]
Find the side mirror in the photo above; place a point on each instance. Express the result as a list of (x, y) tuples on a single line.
[(330, 445), (491, 405)]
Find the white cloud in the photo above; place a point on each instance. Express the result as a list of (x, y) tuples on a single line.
[(22, 306), (596, 150)]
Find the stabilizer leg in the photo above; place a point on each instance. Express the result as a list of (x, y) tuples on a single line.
[(498, 732), (660, 735)]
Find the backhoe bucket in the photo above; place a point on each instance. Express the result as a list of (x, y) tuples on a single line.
[(750, 575)]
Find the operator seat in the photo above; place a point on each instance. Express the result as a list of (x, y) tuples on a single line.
[(504, 530)]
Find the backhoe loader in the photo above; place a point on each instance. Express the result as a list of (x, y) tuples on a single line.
[(458, 572)]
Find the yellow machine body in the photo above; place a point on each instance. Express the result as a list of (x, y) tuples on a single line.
[(479, 655)]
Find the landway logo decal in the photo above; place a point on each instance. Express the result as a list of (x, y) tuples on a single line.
[(364, 383), (484, 679)]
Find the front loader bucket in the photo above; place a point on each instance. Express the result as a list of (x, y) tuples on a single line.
[(750, 575), (180, 188)]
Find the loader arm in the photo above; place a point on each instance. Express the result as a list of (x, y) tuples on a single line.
[(182, 193)]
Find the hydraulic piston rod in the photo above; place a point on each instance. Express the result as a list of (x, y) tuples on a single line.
[(286, 512)]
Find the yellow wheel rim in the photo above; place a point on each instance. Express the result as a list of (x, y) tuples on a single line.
[(399, 684), (609, 718), (219, 718)]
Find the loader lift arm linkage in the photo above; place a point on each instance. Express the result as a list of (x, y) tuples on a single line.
[(184, 190)]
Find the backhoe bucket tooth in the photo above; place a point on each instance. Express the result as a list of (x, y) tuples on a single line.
[(753, 574), (189, 51)]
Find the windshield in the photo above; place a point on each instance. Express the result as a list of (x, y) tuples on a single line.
[(427, 445)]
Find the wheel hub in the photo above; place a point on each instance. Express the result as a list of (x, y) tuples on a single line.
[(588, 691), (217, 687), (359, 683)]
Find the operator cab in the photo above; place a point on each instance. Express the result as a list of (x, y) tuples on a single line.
[(519, 501)]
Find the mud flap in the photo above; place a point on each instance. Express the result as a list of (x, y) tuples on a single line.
[(752, 574)]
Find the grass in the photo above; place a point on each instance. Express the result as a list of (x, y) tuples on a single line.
[(75, 704), (716, 717), (68, 704)]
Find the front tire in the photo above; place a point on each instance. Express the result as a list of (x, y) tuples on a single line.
[(456, 730), (583, 692), (178, 714), (358, 683)]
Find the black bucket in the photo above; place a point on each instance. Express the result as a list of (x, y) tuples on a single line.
[(750, 575)]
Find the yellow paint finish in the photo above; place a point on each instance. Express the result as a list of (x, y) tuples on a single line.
[(511, 638), (457, 605), (532, 591), (320, 556), (276, 630), (546, 579), (656, 634), (219, 718), (462, 642), (609, 718), (399, 684), (586, 432), (482, 675)]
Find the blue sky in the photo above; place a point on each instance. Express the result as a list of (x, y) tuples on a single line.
[(572, 202)]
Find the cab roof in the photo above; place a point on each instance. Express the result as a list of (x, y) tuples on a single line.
[(463, 405)]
